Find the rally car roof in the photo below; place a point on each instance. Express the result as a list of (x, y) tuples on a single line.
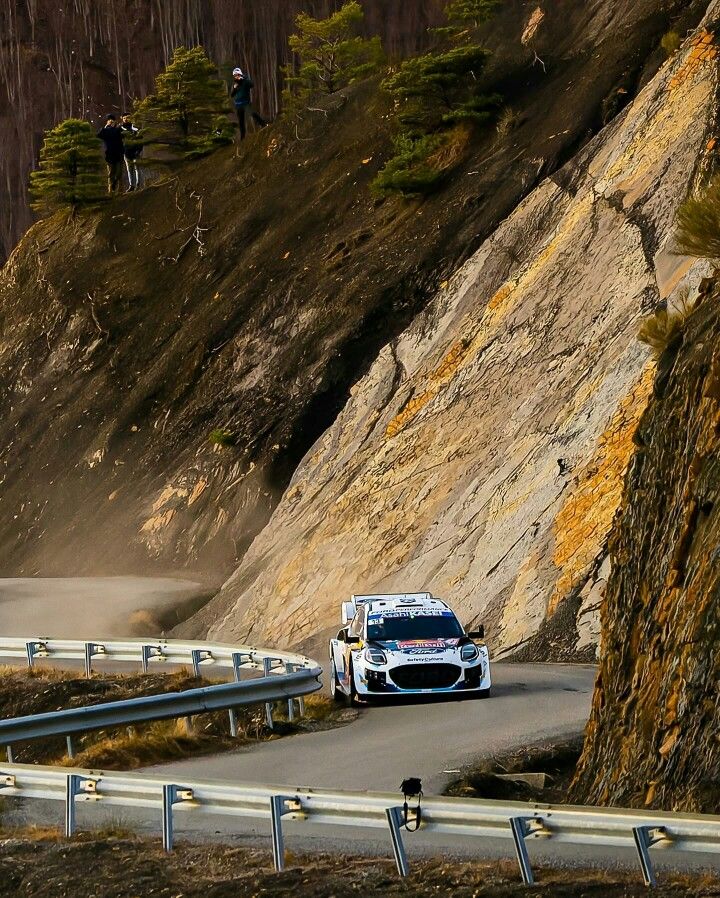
[(399, 600)]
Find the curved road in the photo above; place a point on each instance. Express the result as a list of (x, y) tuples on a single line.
[(388, 743), (376, 751)]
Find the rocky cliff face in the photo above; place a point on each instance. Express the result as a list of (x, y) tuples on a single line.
[(483, 454), (652, 737)]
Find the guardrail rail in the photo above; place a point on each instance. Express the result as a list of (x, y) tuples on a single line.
[(517, 822), (259, 676), (275, 676)]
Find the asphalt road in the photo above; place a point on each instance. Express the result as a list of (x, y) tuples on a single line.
[(375, 752), (388, 743)]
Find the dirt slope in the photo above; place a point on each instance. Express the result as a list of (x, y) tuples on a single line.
[(483, 454)]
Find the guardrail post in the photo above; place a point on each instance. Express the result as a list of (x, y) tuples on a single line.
[(74, 785), (196, 656), (34, 648), (278, 809), (237, 673), (172, 794), (267, 665), (290, 668), (237, 665), (8, 749), (395, 821), (70, 747), (145, 654), (91, 648), (520, 831), (645, 837)]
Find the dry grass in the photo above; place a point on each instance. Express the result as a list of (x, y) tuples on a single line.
[(698, 223), (671, 43), (507, 120), (126, 748), (155, 743), (665, 326), (451, 150), (44, 865)]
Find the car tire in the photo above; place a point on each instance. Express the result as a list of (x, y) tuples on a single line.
[(335, 691), (351, 699), (483, 693)]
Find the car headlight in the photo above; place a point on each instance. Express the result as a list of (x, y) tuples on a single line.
[(375, 655), (469, 652)]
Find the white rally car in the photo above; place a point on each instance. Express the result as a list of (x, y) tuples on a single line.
[(408, 644)]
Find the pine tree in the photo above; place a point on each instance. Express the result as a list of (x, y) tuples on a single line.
[(463, 14), (187, 113), (71, 170), (440, 89), (330, 53), (438, 96)]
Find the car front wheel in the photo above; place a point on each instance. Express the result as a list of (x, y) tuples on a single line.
[(351, 699)]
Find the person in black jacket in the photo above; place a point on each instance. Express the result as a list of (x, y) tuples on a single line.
[(112, 137), (240, 93), (133, 150)]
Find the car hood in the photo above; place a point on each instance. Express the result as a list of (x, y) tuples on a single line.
[(418, 646)]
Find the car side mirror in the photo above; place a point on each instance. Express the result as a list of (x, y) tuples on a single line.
[(477, 634), (347, 612)]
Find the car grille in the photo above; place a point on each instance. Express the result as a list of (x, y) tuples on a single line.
[(425, 676)]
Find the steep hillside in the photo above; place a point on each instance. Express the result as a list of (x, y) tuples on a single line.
[(87, 57), (483, 454), (652, 737)]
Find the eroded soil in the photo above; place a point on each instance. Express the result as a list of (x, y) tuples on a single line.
[(125, 868)]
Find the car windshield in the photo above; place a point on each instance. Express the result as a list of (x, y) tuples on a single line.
[(406, 625)]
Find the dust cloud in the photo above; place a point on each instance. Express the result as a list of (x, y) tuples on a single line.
[(96, 607)]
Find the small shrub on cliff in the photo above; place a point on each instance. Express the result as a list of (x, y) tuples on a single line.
[(186, 116), (698, 221), (660, 329), (221, 437), (670, 43), (329, 54), (421, 163), (71, 170)]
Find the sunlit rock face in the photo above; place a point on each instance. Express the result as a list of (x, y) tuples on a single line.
[(482, 457)]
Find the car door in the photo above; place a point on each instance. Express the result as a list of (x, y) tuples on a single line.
[(342, 658)]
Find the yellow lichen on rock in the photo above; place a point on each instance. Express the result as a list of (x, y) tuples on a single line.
[(440, 376), (585, 519), (703, 50)]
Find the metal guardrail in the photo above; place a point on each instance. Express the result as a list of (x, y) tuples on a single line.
[(275, 676), (515, 821), (285, 675)]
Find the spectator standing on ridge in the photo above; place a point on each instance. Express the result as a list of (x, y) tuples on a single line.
[(133, 151), (112, 137), (240, 93)]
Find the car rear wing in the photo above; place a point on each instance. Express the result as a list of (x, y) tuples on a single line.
[(349, 609)]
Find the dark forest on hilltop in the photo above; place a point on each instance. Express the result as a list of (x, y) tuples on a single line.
[(87, 57)]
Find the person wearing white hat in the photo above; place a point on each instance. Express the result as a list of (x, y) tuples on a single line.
[(240, 93)]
